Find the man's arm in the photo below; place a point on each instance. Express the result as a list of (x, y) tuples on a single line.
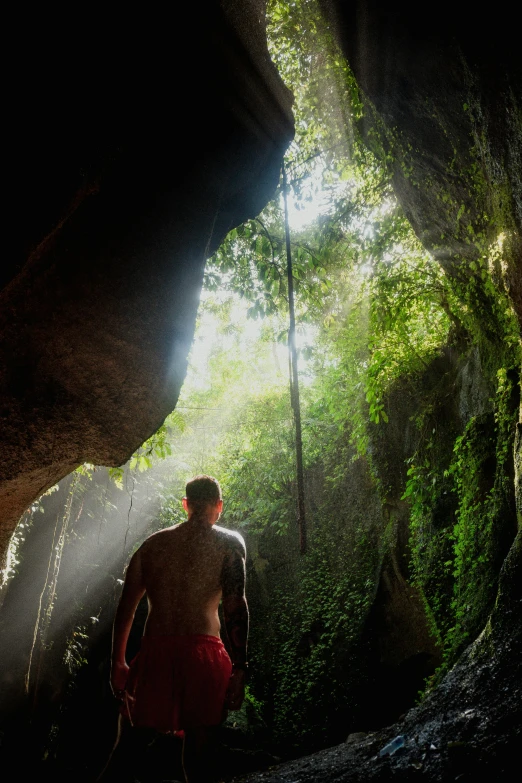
[(133, 591), (235, 611)]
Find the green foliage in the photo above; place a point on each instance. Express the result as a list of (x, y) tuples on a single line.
[(75, 650), (457, 564), (377, 318), (250, 717), (384, 310), (376, 315), (158, 446), (252, 262), (304, 650), (302, 48), (257, 460)]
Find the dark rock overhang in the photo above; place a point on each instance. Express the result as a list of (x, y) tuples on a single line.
[(137, 140)]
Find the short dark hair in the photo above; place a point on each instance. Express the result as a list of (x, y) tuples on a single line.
[(203, 489)]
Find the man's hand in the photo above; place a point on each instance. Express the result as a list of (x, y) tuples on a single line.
[(119, 675), (236, 689)]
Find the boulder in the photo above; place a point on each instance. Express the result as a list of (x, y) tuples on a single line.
[(138, 140)]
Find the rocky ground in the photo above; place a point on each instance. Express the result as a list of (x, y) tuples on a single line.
[(467, 729), (477, 737)]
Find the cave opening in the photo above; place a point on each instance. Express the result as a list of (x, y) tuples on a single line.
[(409, 360)]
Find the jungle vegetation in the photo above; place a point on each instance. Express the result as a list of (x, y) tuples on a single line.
[(377, 320)]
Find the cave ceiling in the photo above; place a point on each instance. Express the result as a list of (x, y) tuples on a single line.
[(136, 142)]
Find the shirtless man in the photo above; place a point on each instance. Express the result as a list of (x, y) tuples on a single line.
[(183, 679)]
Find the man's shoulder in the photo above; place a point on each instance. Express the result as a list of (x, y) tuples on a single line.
[(159, 536), (231, 538)]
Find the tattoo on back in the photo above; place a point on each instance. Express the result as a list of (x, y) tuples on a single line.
[(233, 575), (235, 608)]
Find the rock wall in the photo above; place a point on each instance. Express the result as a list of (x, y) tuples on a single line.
[(138, 141), (443, 97)]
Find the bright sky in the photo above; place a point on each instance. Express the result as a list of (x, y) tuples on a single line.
[(301, 213), (208, 335)]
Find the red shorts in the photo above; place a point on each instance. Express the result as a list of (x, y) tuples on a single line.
[(177, 682)]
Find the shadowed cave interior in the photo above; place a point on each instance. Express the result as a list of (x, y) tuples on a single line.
[(148, 238)]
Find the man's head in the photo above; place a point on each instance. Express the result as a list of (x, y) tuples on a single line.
[(203, 497)]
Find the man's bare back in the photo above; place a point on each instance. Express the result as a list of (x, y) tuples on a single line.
[(183, 677), (183, 569)]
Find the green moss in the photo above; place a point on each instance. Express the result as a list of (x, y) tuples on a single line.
[(456, 560), (307, 660)]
